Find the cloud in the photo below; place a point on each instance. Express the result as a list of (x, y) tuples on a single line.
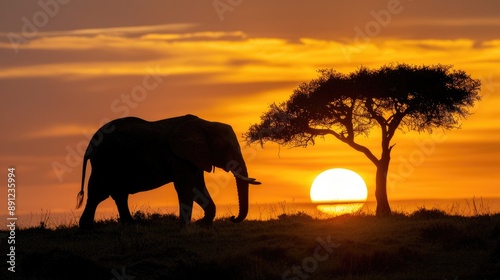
[(451, 22), (59, 130), (209, 35), (122, 31), (433, 44), (215, 53)]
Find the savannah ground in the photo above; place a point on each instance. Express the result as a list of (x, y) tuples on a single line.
[(427, 244)]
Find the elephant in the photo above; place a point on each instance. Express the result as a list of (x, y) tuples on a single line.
[(130, 155)]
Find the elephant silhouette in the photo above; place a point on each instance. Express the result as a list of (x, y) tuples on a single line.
[(131, 155)]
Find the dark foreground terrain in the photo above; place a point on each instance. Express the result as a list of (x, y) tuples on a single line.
[(424, 245)]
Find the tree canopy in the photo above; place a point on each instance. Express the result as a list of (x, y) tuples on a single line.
[(402, 96)]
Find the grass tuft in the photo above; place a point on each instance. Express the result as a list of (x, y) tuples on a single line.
[(423, 213), (298, 216)]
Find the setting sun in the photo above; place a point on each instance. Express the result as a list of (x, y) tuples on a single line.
[(338, 185)]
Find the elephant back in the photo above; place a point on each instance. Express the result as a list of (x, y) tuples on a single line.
[(130, 135)]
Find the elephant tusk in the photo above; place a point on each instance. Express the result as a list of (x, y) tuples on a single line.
[(249, 180), (253, 181)]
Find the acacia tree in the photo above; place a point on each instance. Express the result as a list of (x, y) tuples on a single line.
[(405, 97)]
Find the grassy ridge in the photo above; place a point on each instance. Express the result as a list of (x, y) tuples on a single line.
[(424, 245)]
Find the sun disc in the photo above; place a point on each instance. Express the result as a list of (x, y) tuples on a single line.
[(338, 185)]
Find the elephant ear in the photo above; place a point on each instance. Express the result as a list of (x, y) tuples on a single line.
[(189, 141)]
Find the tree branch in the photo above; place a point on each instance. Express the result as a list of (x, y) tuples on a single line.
[(348, 141), (376, 116)]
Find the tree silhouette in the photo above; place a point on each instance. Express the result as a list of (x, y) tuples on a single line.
[(402, 96)]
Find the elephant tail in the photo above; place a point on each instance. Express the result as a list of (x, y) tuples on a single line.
[(79, 197)]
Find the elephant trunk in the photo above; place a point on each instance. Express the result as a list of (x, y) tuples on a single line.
[(240, 172), (242, 187), (239, 169)]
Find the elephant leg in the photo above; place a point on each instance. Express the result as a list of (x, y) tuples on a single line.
[(87, 218), (95, 196), (202, 198), (184, 188), (121, 200)]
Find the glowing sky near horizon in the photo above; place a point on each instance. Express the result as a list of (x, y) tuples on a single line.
[(67, 67)]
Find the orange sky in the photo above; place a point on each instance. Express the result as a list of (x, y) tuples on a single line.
[(68, 67)]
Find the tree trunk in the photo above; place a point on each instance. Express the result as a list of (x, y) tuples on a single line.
[(383, 208)]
